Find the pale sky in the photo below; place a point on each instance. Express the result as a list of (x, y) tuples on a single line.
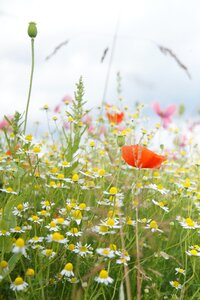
[(147, 74)]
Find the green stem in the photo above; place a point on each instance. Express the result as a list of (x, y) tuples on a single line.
[(30, 85)]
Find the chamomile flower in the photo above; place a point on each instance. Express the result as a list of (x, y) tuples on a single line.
[(193, 252), (20, 208), (43, 213), (102, 230), (106, 252), (4, 232), (76, 215), (153, 226), (113, 191), (176, 284), (157, 188), (68, 270), (180, 271), (82, 206), (48, 253), (4, 265), (35, 240), (124, 258), (56, 237), (111, 223), (8, 190), (61, 221), (104, 277), (52, 226), (83, 250), (46, 204), (74, 232), (18, 284), (19, 247), (188, 223), (161, 204), (129, 221), (17, 229), (35, 219), (30, 272), (72, 279)]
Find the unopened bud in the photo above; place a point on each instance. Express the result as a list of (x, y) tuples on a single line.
[(121, 140), (32, 29)]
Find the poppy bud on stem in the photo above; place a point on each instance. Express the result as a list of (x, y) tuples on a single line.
[(32, 32), (121, 140)]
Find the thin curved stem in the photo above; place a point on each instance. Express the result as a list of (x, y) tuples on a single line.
[(30, 85)]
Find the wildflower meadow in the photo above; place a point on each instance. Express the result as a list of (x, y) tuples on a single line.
[(99, 208)]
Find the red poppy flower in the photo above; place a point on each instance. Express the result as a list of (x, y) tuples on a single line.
[(115, 117), (141, 157)]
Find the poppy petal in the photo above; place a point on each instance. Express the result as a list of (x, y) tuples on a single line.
[(141, 157)]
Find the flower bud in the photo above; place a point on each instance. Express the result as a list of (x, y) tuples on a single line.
[(32, 29), (121, 140)]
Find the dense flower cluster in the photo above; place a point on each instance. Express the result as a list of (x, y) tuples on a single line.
[(71, 209)]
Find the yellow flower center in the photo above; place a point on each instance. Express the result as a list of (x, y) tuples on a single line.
[(103, 228), (60, 220), (105, 252), (176, 284), (20, 206), (189, 222), (103, 274), (54, 170), (193, 252), (9, 190), (48, 252), (75, 177), (52, 224), (29, 137), (18, 281), (36, 150), (92, 144), (187, 183), (65, 163), (74, 230), (57, 236), (180, 270), (153, 225), (60, 176), (43, 212), (30, 272), (83, 249), (3, 264), (110, 222), (77, 214), (71, 247), (113, 247), (102, 172), (113, 190), (82, 205), (90, 183), (17, 228), (35, 218), (20, 243), (68, 267)]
